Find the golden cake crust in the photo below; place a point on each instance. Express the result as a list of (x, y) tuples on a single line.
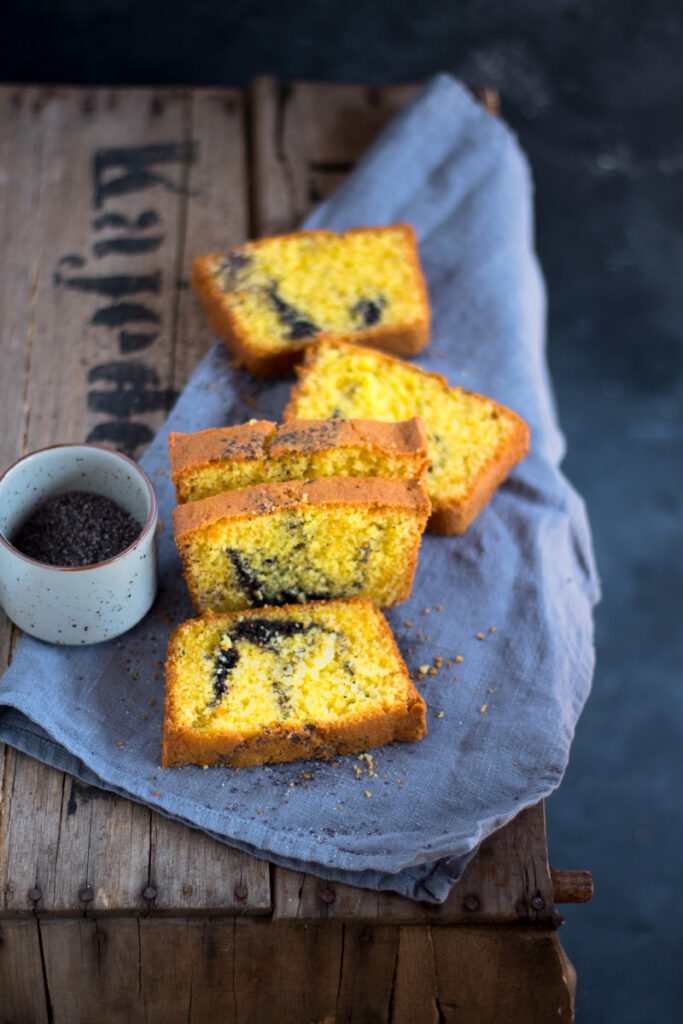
[(241, 443), (407, 437), (277, 743), (402, 340), (261, 440), (449, 516)]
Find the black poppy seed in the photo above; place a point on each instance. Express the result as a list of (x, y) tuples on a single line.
[(76, 529), (300, 326), (368, 312)]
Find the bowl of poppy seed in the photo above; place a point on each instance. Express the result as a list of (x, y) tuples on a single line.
[(78, 560)]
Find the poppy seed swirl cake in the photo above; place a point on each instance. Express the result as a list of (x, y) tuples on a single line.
[(303, 540), (269, 299), (284, 684)]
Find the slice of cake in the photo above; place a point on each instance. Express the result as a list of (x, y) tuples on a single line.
[(285, 684), (473, 441), (271, 298), (223, 458), (306, 540)]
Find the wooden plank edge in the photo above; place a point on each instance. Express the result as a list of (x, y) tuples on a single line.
[(571, 886)]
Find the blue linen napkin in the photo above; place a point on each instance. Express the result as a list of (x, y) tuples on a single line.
[(500, 720)]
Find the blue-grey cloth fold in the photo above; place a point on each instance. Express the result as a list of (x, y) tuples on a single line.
[(500, 720)]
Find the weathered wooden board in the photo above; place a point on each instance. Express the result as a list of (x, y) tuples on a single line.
[(248, 972), (469, 962), (508, 881), (23, 996), (108, 194), (306, 137), (217, 213), (305, 140)]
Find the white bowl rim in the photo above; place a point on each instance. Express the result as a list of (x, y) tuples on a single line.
[(148, 525)]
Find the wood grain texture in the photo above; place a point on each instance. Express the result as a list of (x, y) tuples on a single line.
[(101, 354), (66, 841), (306, 137), (217, 212), (248, 972), (414, 996), (571, 886), (21, 154), (146, 176), (470, 962), (22, 992), (508, 881), (192, 873)]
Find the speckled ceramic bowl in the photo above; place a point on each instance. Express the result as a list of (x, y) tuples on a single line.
[(87, 604)]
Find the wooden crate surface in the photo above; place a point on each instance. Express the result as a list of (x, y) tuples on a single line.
[(106, 194)]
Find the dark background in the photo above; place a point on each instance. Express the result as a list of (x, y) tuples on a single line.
[(595, 93)]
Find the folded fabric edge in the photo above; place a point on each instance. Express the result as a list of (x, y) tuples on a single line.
[(428, 881)]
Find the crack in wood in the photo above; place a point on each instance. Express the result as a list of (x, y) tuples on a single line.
[(9, 772), (189, 1002), (284, 95), (341, 969), (183, 208), (234, 966), (440, 1014), (440, 1018), (59, 831), (33, 292), (394, 979), (49, 1010), (139, 958), (150, 849)]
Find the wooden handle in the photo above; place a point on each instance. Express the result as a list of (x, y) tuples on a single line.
[(488, 97), (571, 886)]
